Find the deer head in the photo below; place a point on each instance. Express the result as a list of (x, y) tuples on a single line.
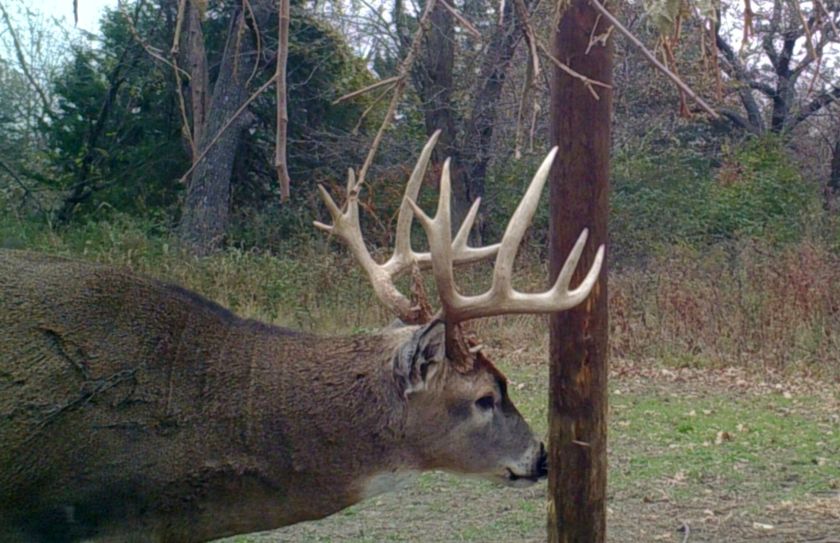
[(459, 415)]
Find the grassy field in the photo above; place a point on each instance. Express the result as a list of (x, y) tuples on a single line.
[(724, 397)]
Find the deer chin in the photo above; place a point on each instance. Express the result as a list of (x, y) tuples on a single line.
[(511, 479)]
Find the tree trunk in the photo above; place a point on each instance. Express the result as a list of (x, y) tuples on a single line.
[(580, 126), (466, 139), (477, 139), (832, 189), (199, 84), (434, 80), (205, 213)]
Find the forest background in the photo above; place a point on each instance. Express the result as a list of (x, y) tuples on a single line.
[(724, 232)]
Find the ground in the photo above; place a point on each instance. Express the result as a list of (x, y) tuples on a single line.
[(695, 455)]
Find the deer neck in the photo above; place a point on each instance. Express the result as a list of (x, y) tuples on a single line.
[(317, 428)]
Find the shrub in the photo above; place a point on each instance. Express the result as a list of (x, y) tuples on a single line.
[(680, 197)]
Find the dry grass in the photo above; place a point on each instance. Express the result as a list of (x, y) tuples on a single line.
[(747, 305)]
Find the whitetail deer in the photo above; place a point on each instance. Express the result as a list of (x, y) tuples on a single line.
[(133, 410)]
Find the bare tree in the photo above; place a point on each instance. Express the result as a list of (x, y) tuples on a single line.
[(206, 210), (779, 73)]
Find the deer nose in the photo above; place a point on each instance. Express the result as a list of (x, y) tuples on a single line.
[(542, 466)]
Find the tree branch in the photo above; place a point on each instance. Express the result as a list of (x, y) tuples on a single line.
[(24, 66), (399, 88), (225, 126), (739, 73), (653, 60), (27, 192), (816, 104), (280, 159), (737, 119)]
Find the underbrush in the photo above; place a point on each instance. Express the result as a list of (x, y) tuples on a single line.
[(750, 304), (747, 304)]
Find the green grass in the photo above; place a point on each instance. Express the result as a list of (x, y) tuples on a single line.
[(770, 447)]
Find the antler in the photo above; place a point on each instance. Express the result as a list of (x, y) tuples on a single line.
[(346, 226), (501, 298)]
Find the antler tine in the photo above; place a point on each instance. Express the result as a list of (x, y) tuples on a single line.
[(502, 298), (561, 285), (518, 224), (465, 254), (404, 256), (346, 226), (439, 235)]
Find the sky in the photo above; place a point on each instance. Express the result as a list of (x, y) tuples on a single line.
[(89, 11)]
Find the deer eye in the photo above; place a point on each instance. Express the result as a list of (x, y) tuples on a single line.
[(486, 402)]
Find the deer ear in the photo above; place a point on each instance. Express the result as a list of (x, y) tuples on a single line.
[(418, 359)]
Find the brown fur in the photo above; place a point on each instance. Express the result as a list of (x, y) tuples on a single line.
[(135, 410)]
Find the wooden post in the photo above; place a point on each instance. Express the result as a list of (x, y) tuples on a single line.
[(580, 126)]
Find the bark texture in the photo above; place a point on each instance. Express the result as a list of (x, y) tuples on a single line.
[(832, 189), (580, 126)]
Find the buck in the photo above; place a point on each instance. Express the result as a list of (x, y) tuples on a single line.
[(133, 410)]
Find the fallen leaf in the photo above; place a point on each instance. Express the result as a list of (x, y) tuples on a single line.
[(722, 436)]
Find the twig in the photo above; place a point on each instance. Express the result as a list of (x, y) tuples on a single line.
[(225, 126), (257, 39), (532, 135), (588, 82), (179, 21), (528, 32), (527, 86), (715, 60), (816, 76), (182, 104), (653, 60), (389, 81), (153, 52), (24, 67), (601, 38), (748, 24), (686, 532), (399, 87), (280, 158), (26, 190), (468, 26), (828, 16), (373, 104), (532, 73), (809, 45)]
